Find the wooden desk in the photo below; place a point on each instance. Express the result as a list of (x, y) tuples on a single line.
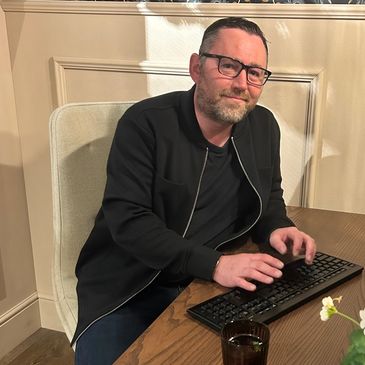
[(298, 338)]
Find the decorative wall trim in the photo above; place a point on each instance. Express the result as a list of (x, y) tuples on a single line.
[(310, 156), (19, 323), (313, 77), (61, 64), (47, 308), (313, 137), (278, 11), (17, 309)]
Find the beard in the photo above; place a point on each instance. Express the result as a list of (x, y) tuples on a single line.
[(219, 108)]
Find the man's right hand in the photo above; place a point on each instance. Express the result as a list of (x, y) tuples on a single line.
[(236, 270)]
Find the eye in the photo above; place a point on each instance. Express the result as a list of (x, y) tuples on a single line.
[(256, 72), (227, 64)]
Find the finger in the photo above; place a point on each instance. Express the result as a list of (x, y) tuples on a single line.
[(298, 242), (279, 245), (265, 269), (261, 277), (304, 243), (267, 259), (310, 252), (245, 284)]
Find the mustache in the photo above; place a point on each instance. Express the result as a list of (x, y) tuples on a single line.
[(236, 94)]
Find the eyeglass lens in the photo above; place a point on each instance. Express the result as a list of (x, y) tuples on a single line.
[(232, 68)]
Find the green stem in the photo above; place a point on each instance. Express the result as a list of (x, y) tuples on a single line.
[(349, 318)]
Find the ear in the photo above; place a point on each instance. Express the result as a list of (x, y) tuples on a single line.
[(194, 67)]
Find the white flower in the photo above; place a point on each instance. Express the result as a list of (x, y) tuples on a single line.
[(328, 308), (327, 302), (362, 322), (324, 314)]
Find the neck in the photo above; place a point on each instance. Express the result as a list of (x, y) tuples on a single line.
[(213, 131)]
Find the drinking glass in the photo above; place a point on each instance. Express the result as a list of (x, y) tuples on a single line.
[(245, 342)]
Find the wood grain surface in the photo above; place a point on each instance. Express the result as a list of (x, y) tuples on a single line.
[(44, 347), (298, 338)]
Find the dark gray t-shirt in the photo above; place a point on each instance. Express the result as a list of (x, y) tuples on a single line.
[(224, 197)]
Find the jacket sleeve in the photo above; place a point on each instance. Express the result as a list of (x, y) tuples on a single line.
[(274, 211), (128, 206)]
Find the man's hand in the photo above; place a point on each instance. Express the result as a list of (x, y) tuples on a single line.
[(237, 270), (301, 242)]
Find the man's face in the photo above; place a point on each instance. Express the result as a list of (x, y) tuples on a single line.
[(223, 99)]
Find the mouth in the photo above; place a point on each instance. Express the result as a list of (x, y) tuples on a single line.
[(236, 97)]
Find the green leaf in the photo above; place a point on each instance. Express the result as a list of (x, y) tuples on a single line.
[(356, 351)]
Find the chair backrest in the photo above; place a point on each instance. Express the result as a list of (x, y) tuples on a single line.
[(80, 139)]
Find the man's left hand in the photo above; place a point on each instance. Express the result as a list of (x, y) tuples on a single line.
[(301, 242)]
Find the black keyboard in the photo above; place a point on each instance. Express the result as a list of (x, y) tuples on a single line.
[(298, 284)]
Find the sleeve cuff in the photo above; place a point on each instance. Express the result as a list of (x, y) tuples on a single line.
[(202, 262)]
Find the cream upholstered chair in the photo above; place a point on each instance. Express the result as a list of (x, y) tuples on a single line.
[(80, 139)]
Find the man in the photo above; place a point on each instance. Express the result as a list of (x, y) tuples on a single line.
[(188, 173)]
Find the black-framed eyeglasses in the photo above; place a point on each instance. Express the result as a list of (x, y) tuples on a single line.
[(231, 67)]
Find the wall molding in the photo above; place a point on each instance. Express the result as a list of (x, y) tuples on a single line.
[(36, 311), (61, 64), (18, 323), (314, 79), (18, 308), (277, 11), (46, 306)]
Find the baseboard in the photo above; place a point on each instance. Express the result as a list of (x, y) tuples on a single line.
[(48, 313), (25, 318), (18, 323)]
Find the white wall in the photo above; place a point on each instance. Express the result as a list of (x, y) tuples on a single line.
[(19, 312)]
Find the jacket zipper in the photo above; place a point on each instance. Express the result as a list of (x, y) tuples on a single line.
[(257, 193), (150, 282), (197, 192), (114, 309)]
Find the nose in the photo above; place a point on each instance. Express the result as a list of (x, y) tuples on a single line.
[(240, 81)]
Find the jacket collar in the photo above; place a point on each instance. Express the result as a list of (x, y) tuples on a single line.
[(241, 134), (188, 120)]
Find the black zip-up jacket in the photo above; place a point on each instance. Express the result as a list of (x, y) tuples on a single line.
[(154, 171)]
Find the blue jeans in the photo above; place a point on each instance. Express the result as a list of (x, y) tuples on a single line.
[(105, 340)]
